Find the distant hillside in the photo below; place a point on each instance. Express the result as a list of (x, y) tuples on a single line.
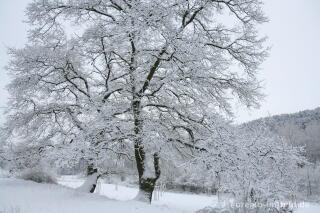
[(301, 119), (301, 128)]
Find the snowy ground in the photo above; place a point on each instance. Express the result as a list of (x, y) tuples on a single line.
[(18, 196), (175, 201)]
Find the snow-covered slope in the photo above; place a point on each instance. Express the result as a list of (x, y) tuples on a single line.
[(300, 129), (18, 196), (301, 119)]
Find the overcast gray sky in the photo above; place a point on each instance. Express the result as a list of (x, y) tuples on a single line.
[(291, 74)]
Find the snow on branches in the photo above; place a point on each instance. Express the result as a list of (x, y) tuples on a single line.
[(254, 164), (141, 81)]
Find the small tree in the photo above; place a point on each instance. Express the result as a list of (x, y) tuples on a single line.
[(255, 165)]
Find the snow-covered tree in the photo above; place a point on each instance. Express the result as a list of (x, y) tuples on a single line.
[(140, 78), (254, 164)]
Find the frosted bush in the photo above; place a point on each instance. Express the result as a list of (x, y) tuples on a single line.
[(4, 173), (39, 175), (12, 209)]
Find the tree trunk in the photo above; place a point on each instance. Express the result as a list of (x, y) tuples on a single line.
[(91, 171), (309, 185), (91, 182), (147, 184)]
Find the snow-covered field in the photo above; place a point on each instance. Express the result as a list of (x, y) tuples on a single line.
[(175, 201), (19, 196)]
